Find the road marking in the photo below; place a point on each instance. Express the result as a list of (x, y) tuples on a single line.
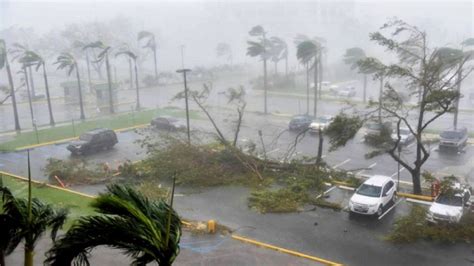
[(401, 170), (342, 163), (411, 144), (387, 211), (284, 250), (419, 201), (347, 188), (324, 156), (272, 151), (326, 192), (370, 167)]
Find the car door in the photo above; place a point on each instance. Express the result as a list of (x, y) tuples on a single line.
[(387, 192)]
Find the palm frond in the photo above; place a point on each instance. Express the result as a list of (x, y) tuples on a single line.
[(3, 53), (257, 31)]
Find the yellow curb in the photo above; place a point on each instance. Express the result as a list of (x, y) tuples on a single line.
[(342, 183), (284, 250), (44, 144), (132, 127), (413, 196)]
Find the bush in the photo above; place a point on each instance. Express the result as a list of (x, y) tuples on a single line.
[(153, 191), (414, 227), (76, 171), (282, 200)]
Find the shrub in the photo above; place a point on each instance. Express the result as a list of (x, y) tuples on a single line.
[(76, 171), (282, 200)]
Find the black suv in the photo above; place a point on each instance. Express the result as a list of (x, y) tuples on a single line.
[(300, 122), (455, 139), (93, 141)]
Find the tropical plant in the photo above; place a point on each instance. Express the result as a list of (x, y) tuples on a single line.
[(351, 57), (150, 44), (27, 220), (147, 231), (279, 51), (260, 48), (132, 56), (29, 59), (78, 45), (104, 56), (224, 50), (4, 63), (310, 51), (67, 61)]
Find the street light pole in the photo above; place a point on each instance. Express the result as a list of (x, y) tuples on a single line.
[(184, 71)]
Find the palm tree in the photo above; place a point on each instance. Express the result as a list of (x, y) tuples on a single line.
[(299, 39), (31, 219), (310, 51), (104, 55), (127, 221), (10, 233), (29, 59), (80, 45), (260, 48), (67, 60), (151, 44), (224, 49), (279, 51), (4, 63), (351, 57), (132, 56)]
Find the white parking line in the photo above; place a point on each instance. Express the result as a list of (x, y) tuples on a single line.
[(401, 170), (387, 211), (272, 151), (347, 188), (326, 192), (342, 163), (372, 165)]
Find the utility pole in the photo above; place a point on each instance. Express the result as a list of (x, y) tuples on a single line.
[(184, 71), (182, 56)]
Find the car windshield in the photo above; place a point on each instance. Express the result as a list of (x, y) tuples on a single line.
[(322, 120), (299, 118), (451, 135), (86, 137), (369, 190), (374, 126), (449, 200)]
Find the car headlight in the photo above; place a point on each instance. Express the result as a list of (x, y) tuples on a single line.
[(373, 205)]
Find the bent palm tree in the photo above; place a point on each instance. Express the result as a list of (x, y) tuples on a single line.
[(351, 57), (4, 63), (104, 55), (224, 49), (151, 44), (279, 51), (66, 60), (133, 57), (307, 51), (127, 221), (260, 48)]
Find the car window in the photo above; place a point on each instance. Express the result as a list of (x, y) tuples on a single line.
[(449, 200), (369, 190), (86, 137)]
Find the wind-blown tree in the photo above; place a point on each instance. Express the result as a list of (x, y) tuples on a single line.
[(299, 39), (423, 70), (104, 56), (310, 51), (128, 221), (29, 59), (452, 56), (67, 61), (224, 50), (28, 220), (132, 56), (279, 51), (79, 45), (351, 57), (4, 63), (150, 44), (261, 49)]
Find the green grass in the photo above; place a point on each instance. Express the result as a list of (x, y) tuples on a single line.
[(78, 205), (70, 131)]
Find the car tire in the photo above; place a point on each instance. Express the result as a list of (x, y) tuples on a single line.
[(394, 197), (379, 211)]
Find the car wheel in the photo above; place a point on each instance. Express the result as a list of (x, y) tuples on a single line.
[(380, 211), (394, 197)]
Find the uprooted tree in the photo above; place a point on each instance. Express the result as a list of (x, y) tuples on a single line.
[(428, 73)]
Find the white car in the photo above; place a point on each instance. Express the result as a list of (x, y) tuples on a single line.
[(373, 195), (450, 207), (347, 92), (405, 136), (320, 123)]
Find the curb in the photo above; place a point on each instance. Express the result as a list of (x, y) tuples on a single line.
[(284, 250)]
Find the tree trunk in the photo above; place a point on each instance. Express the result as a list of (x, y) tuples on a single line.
[(307, 88), (109, 81), (130, 70), (456, 105), (286, 66), (29, 97), (12, 93), (88, 71), (365, 88), (416, 175), (81, 104), (48, 97), (2, 258), (276, 68), (315, 111), (320, 75), (29, 255), (156, 66), (265, 85), (380, 99), (32, 83), (320, 148), (136, 85)]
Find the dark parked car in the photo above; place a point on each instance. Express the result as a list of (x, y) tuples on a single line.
[(300, 122), (168, 123), (93, 141), (454, 139), (375, 128)]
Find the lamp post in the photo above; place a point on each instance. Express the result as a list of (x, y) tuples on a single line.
[(184, 71)]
